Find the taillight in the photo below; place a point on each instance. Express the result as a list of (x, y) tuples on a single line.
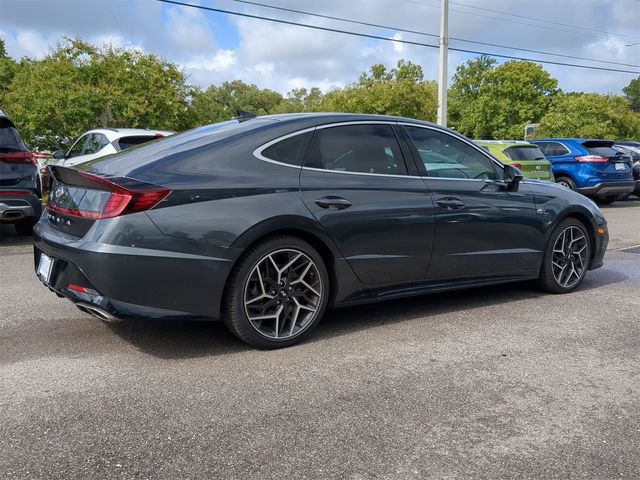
[(15, 193), (18, 157), (517, 165), (159, 135), (592, 159), (95, 197)]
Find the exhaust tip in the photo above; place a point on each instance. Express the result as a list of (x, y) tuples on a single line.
[(96, 312)]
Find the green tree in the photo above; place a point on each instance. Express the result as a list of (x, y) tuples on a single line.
[(590, 115), (632, 92), (79, 86), (401, 91), (301, 100), (497, 102), (221, 103), (8, 68)]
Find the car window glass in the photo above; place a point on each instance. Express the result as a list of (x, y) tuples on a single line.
[(290, 150), (95, 142), (357, 148), (132, 141), (524, 153), (445, 156), (553, 149), (77, 147)]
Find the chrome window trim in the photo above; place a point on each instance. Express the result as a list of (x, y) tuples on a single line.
[(258, 151)]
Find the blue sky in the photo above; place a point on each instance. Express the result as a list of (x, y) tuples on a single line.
[(214, 47)]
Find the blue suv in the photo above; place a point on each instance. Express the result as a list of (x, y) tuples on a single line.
[(591, 167)]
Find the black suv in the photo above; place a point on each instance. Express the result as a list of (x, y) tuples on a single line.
[(633, 149), (19, 194)]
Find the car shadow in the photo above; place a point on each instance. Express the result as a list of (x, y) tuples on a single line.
[(9, 237), (184, 339)]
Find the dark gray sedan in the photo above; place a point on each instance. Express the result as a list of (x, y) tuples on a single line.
[(265, 223)]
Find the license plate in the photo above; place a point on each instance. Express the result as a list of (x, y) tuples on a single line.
[(621, 166), (44, 267)]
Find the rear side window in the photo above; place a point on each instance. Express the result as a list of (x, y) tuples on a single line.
[(131, 141), (551, 149), (290, 150), (524, 153), (10, 140), (358, 149)]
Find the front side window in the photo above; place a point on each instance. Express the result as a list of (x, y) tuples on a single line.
[(290, 150), (445, 156), (77, 147), (95, 143), (358, 149)]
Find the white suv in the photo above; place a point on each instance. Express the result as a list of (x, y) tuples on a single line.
[(105, 141)]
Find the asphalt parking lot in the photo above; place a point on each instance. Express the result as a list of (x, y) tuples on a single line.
[(501, 382)]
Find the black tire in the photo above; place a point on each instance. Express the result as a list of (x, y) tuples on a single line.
[(567, 182), (547, 281), (24, 226), (234, 313)]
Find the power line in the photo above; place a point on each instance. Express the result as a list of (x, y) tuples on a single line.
[(464, 12), (543, 20), (357, 22), (388, 39)]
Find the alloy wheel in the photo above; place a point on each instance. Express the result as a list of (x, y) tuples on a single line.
[(283, 293), (569, 256)]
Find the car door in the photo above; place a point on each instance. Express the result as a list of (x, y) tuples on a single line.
[(356, 183), (482, 229)]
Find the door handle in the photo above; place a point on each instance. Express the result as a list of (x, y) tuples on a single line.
[(450, 203), (333, 203)]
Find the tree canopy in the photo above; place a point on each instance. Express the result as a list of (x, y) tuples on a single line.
[(79, 86), (590, 115), (496, 102)]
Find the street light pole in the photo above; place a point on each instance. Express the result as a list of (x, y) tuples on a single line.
[(442, 72)]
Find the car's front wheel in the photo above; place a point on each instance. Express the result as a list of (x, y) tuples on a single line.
[(277, 293), (566, 258)]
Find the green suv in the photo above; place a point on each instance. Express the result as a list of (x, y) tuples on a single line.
[(526, 156)]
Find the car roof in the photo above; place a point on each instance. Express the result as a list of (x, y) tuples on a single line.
[(578, 140), (115, 133), (502, 145)]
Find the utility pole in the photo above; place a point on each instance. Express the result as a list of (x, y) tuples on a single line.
[(442, 73)]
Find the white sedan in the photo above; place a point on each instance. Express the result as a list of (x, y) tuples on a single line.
[(105, 141)]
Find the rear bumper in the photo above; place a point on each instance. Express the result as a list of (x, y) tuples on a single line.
[(16, 208), (605, 189), (129, 282)]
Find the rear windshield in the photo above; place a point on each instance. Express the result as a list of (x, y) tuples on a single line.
[(524, 153), (128, 142), (10, 140), (601, 148)]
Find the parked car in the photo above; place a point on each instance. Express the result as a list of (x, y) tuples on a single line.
[(264, 223), (19, 198), (591, 167), (633, 149), (105, 141), (523, 155)]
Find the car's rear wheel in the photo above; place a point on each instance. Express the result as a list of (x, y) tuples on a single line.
[(277, 293), (566, 258), (566, 182)]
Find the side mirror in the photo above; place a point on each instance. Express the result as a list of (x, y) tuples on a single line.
[(59, 155), (512, 177)]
